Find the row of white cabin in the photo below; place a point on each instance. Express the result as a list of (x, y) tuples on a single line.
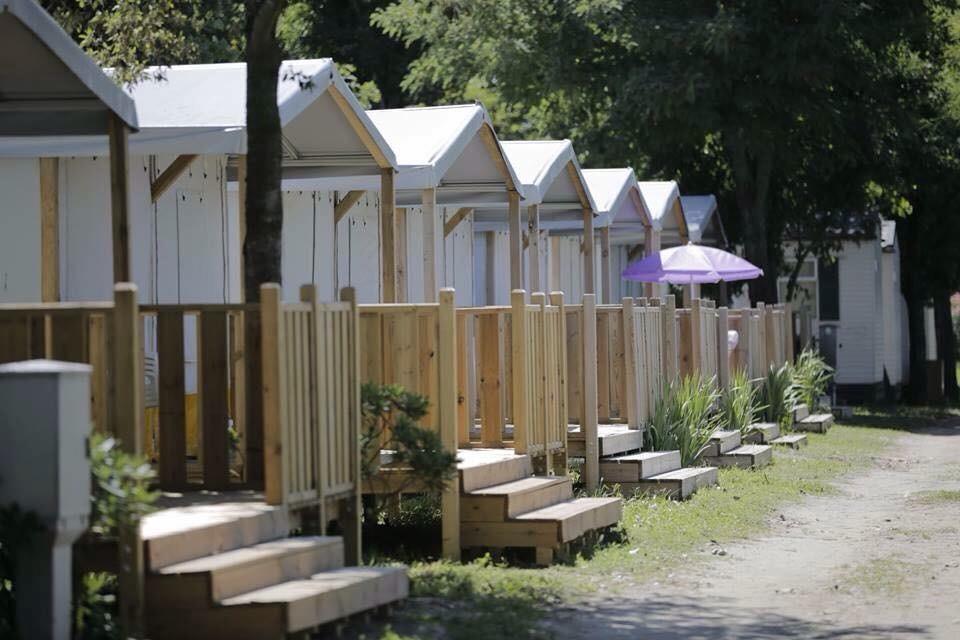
[(467, 210)]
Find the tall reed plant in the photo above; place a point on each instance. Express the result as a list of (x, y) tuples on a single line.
[(779, 394), (740, 405), (684, 418), (811, 375)]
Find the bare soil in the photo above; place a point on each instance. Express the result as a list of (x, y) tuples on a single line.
[(879, 560)]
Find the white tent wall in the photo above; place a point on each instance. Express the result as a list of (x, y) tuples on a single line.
[(358, 249), (620, 288), (491, 270), (20, 240), (307, 255), (458, 259)]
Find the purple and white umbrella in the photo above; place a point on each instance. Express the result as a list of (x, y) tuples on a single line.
[(691, 264)]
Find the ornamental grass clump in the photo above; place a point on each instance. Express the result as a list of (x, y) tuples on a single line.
[(779, 394), (811, 375), (740, 406), (684, 418)]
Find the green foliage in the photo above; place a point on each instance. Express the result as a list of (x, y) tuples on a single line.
[(779, 395), (740, 404), (96, 607), (17, 527), (786, 110), (390, 422), (810, 377), (121, 487), (133, 34), (684, 418)]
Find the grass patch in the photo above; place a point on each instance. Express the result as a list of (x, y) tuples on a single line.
[(484, 599), (940, 496), (887, 576)]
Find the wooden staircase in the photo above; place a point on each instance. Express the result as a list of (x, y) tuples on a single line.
[(656, 472), (803, 420), (726, 450), (769, 433), (230, 570), (612, 439), (504, 505)]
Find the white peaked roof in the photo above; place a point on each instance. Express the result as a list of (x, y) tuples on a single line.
[(662, 198), (201, 109), (48, 85), (551, 177), (451, 148), (888, 235), (699, 212), (617, 196)]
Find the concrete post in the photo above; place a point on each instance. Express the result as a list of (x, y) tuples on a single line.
[(44, 467)]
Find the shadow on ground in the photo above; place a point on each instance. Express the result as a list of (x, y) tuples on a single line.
[(678, 617)]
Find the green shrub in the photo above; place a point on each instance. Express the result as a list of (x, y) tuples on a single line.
[(684, 418), (121, 487), (779, 394), (740, 406), (390, 422), (811, 375)]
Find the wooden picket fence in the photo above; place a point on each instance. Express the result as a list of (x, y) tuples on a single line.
[(511, 363), (766, 336), (104, 335)]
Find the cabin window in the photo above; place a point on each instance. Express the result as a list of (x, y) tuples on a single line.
[(805, 293), (829, 290)]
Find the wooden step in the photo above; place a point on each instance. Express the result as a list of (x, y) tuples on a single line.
[(503, 501), (679, 484), (548, 527), (746, 456), (213, 578), (638, 466), (721, 442), (800, 412), (481, 468), (816, 423), (289, 607), (792, 440), (185, 533), (613, 439), (762, 433)]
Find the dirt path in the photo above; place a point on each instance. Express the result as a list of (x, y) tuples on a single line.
[(879, 560)]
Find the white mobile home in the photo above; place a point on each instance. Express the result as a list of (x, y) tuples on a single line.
[(856, 312)]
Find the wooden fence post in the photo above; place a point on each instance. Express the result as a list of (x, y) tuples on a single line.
[(632, 365), (670, 356), (315, 365), (447, 419), (556, 299), (272, 340), (723, 351), (790, 337), (351, 507), (540, 423), (588, 412), (127, 369), (518, 361), (696, 336), (770, 335)]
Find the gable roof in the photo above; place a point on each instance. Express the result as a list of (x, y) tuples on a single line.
[(699, 212), (617, 195), (48, 85), (452, 145), (201, 109)]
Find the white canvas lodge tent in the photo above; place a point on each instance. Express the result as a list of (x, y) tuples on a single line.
[(621, 207), (704, 225), (555, 199), (54, 91)]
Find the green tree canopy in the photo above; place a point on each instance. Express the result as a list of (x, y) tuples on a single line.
[(786, 108)]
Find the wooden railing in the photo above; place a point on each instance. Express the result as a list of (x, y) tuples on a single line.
[(645, 360), (512, 364), (311, 398), (102, 334), (415, 346)]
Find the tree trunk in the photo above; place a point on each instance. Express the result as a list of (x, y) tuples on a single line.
[(264, 204), (752, 173), (946, 344), (911, 284)]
